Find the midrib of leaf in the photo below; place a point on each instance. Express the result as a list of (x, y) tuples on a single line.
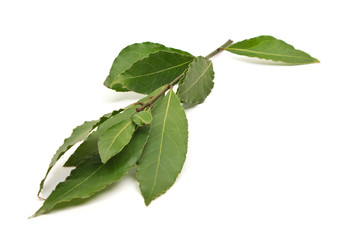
[(163, 70), (80, 182), (161, 145), (140, 118), (117, 135), (264, 53), (197, 79)]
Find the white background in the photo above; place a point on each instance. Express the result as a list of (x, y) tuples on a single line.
[(275, 152)]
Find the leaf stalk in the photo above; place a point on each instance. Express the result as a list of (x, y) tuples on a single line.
[(220, 49)]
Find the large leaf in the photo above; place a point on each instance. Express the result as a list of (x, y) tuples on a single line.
[(80, 133), (92, 175), (113, 140), (154, 71), (197, 83), (165, 152), (270, 48), (130, 55)]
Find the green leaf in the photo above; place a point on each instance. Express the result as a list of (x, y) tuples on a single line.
[(113, 140), (154, 71), (197, 83), (270, 48), (89, 146), (165, 152), (130, 55), (92, 175), (80, 133), (86, 150), (142, 118)]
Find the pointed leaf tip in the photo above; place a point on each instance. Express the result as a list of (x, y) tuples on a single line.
[(270, 48), (92, 175), (165, 152)]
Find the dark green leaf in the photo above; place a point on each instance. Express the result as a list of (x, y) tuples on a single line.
[(142, 118), (92, 175), (80, 133), (89, 146), (197, 83), (165, 152), (270, 48), (154, 71), (130, 55), (113, 140)]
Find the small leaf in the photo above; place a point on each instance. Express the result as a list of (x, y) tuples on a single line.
[(80, 133), (130, 55), (154, 71), (113, 140), (92, 175), (142, 118), (197, 83), (270, 48), (165, 152)]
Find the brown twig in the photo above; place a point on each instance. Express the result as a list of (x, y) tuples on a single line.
[(151, 100)]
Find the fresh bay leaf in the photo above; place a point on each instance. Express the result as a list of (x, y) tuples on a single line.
[(130, 55), (87, 149), (92, 175), (270, 48), (197, 82), (142, 118), (165, 151), (153, 71), (89, 146), (113, 140), (80, 133)]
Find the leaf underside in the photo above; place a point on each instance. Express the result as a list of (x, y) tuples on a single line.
[(165, 151), (270, 48), (197, 83), (92, 175)]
